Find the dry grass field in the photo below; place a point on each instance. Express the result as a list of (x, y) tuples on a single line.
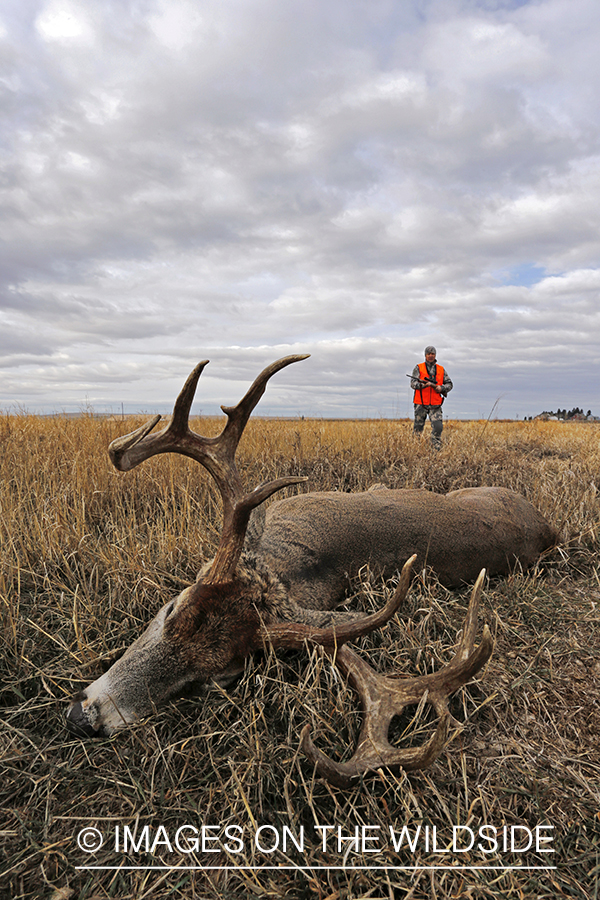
[(89, 555)]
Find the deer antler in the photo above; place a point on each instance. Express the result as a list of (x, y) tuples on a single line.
[(216, 454), (383, 697)]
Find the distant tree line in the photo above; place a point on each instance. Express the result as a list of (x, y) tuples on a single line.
[(575, 413)]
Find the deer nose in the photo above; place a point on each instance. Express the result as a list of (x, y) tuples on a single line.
[(78, 724)]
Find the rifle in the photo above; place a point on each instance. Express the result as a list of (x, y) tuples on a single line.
[(427, 383)]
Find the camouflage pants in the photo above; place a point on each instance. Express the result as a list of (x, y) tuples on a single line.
[(436, 419)]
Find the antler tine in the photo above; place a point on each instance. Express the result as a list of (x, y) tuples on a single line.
[(238, 416), (130, 450), (216, 454), (383, 697), (179, 423), (292, 635), (469, 631)]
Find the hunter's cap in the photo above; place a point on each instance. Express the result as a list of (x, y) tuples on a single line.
[(430, 350)]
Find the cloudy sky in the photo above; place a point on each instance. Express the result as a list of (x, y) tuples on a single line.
[(354, 179)]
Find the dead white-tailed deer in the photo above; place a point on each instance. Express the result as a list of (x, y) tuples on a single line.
[(282, 588)]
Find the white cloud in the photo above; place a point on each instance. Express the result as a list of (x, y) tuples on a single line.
[(65, 21), (176, 23), (479, 50)]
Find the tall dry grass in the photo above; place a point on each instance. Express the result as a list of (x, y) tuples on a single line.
[(89, 555)]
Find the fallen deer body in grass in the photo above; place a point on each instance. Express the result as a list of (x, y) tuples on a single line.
[(283, 587)]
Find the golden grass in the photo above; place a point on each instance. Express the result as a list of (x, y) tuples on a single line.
[(89, 556)]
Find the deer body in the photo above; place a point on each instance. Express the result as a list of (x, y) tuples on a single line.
[(315, 542), (277, 578)]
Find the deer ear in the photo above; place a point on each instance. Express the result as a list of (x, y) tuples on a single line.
[(193, 609), (209, 605)]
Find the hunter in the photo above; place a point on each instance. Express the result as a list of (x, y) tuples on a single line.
[(431, 384)]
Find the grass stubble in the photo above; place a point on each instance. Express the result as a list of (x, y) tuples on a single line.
[(89, 556)]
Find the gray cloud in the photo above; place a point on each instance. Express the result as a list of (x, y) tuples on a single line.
[(350, 180)]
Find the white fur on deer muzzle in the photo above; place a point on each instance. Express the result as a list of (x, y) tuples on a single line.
[(139, 680), (180, 647)]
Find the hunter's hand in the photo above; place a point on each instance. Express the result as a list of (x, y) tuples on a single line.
[(438, 388)]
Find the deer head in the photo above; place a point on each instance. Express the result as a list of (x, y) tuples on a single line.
[(211, 627)]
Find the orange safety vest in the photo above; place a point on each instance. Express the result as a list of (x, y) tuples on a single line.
[(427, 396)]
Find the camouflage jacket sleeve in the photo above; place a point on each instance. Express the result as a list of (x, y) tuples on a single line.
[(414, 381), (447, 384)]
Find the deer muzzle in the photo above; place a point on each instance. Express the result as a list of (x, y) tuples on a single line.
[(79, 725)]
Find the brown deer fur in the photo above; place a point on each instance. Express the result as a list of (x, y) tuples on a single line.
[(313, 542)]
